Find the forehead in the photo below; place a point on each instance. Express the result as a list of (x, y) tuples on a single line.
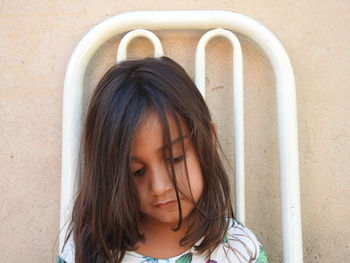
[(150, 131)]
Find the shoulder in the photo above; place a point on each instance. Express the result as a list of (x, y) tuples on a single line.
[(67, 255), (240, 245)]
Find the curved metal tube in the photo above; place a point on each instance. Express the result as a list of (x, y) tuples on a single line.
[(196, 20), (123, 45), (237, 81)]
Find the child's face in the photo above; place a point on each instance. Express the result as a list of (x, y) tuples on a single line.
[(152, 170)]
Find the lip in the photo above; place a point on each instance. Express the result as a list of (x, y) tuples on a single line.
[(165, 204)]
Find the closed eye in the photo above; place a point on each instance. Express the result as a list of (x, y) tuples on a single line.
[(139, 172), (177, 159)]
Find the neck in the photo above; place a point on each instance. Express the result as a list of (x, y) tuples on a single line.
[(153, 228), (161, 241)]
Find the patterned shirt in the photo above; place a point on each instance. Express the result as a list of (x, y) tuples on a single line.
[(238, 246)]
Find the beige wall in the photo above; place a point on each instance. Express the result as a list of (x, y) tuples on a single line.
[(37, 39)]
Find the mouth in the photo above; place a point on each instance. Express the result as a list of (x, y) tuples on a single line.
[(165, 204)]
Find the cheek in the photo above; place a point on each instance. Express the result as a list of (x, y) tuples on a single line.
[(196, 181), (141, 191), (195, 177)]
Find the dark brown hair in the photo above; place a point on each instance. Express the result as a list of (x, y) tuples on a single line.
[(106, 212)]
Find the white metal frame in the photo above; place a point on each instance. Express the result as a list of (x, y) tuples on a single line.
[(194, 20), (237, 113)]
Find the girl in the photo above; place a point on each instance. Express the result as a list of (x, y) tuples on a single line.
[(153, 187)]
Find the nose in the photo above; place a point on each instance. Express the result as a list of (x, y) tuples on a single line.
[(160, 181)]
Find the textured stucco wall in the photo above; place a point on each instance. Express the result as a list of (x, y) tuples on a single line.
[(37, 39)]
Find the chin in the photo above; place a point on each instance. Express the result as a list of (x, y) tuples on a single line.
[(168, 215), (168, 219)]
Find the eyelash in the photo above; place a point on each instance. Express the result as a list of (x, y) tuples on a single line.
[(141, 171), (177, 159)]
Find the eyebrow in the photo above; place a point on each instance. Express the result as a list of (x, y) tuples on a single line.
[(178, 139), (174, 141)]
